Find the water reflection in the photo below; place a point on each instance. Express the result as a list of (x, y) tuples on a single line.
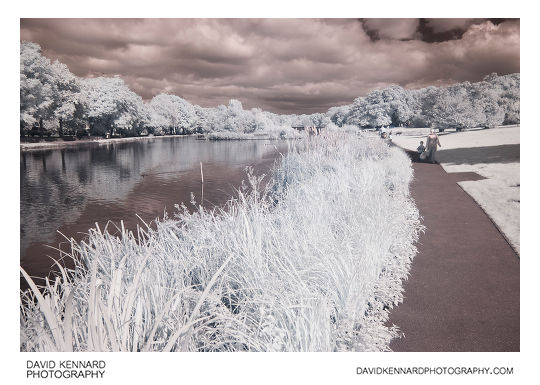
[(69, 190)]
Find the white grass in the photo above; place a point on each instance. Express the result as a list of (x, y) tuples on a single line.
[(280, 133), (450, 139), (313, 262), (499, 194)]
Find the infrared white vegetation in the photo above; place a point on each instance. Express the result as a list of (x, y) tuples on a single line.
[(310, 261), (52, 95)]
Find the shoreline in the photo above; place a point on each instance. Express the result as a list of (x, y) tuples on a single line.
[(58, 144), (88, 142), (27, 147)]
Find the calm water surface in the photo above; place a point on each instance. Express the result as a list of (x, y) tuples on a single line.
[(70, 190)]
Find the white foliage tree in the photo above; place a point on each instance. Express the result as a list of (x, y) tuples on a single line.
[(453, 109), (37, 85), (501, 99), (112, 105), (48, 91), (369, 112), (338, 114), (70, 106), (389, 106), (173, 114)]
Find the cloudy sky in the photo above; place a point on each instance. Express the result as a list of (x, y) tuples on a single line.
[(280, 65)]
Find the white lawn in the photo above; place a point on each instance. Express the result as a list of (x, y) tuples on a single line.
[(491, 153)]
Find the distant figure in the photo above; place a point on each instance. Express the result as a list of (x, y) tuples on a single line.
[(421, 148), (422, 151), (432, 143)]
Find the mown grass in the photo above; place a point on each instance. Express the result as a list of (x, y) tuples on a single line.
[(311, 261)]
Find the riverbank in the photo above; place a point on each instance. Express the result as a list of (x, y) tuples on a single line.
[(68, 191), (294, 266), (267, 135), (44, 145)]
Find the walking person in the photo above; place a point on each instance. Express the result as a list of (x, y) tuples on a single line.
[(431, 143)]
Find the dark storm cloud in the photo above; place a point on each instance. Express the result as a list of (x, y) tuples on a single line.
[(439, 30), (399, 29), (281, 65)]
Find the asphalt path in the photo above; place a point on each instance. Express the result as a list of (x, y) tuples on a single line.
[(463, 289)]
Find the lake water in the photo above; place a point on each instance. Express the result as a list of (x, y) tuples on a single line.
[(70, 190)]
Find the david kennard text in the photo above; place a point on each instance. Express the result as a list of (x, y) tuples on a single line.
[(65, 369)]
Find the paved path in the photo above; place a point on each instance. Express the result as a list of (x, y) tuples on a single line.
[(463, 289)]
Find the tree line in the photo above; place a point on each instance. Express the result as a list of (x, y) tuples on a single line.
[(54, 100), (491, 102)]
